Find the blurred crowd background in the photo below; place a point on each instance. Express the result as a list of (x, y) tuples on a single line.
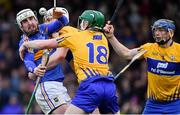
[(132, 28)]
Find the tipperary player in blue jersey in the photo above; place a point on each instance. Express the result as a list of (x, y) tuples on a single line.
[(51, 95), (90, 61), (163, 60)]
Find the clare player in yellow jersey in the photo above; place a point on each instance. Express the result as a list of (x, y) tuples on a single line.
[(90, 56), (163, 60)]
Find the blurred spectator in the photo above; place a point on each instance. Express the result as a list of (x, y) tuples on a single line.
[(13, 106)]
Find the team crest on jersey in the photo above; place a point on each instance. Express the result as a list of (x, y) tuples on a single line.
[(172, 58), (30, 50), (56, 99)]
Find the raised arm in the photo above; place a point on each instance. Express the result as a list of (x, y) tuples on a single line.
[(61, 20), (57, 24), (119, 48)]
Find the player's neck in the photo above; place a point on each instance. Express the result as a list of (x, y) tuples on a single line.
[(168, 44)]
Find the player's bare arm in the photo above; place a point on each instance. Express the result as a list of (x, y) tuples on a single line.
[(57, 57), (37, 44), (120, 49)]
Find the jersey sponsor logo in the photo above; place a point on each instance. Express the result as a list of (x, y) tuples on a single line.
[(172, 58), (162, 72), (163, 67)]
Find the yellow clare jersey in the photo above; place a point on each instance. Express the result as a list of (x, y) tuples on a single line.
[(163, 71), (90, 53), (64, 30), (67, 29)]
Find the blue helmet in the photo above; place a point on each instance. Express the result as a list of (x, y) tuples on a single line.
[(165, 24)]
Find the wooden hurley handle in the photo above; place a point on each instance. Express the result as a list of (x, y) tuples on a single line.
[(45, 57)]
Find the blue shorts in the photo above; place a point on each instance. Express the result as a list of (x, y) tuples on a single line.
[(97, 92), (156, 107)]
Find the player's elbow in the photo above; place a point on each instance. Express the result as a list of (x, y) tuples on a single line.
[(131, 53), (61, 57), (47, 44), (127, 54)]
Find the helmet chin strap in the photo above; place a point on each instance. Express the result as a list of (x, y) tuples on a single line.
[(84, 25), (163, 42)]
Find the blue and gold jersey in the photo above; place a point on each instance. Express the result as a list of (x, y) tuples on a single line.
[(33, 57), (163, 71), (90, 53)]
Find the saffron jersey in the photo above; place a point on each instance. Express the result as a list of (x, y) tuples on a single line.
[(163, 71), (64, 30), (90, 53), (67, 29)]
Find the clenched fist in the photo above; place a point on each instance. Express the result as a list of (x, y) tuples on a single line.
[(58, 12)]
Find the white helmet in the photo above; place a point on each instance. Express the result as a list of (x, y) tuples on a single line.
[(47, 14), (23, 14)]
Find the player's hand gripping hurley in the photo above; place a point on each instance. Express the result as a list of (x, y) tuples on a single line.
[(137, 55), (45, 59)]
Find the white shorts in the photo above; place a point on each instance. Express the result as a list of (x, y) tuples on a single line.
[(50, 95)]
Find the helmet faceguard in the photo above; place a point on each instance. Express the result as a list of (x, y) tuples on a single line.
[(165, 25), (94, 18), (22, 15)]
